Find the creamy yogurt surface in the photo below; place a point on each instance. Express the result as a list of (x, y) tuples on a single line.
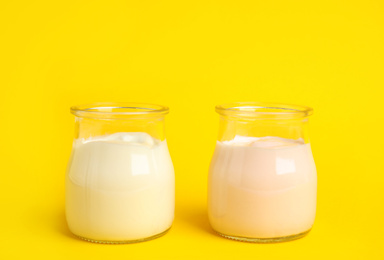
[(120, 187), (262, 187)]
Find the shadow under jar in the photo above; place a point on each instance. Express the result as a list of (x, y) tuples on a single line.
[(120, 185), (262, 184)]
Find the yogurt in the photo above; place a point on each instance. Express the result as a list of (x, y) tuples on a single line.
[(120, 187), (262, 187)]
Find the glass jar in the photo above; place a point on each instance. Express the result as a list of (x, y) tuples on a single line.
[(262, 183), (120, 185)]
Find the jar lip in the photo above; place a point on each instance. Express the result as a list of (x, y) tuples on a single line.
[(263, 110), (118, 109)]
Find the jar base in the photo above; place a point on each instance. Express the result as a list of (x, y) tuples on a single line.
[(123, 241), (265, 240)]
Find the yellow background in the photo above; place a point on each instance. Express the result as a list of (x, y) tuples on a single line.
[(190, 56)]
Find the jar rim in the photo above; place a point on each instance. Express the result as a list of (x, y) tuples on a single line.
[(263, 110), (118, 109)]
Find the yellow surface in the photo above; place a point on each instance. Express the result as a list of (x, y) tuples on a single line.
[(191, 56)]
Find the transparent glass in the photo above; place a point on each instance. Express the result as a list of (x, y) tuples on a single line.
[(120, 184), (262, 183)]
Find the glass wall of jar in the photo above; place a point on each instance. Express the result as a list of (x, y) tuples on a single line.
[(262, 183), (120, 177)]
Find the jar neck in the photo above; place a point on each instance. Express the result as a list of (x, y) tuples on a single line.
[(92, 127), (296, 129)]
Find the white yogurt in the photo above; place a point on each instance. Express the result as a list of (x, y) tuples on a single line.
[(120, 187)]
